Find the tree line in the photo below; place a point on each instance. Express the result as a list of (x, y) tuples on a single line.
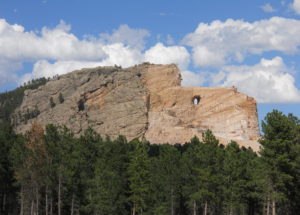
[(50, 171), (10, 100)]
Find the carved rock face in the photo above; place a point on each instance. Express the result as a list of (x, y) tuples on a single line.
[(142, 101)]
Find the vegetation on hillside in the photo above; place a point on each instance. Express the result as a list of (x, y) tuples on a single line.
[(10, 100), (50, 171)]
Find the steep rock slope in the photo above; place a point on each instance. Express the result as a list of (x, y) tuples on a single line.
[(141, 101)]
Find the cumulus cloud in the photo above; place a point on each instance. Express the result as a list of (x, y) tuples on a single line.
[(220, 43), (117, 54), (56, 44), (134, 38), (121, 55), (268, 8), (44, 68), (296, 6), (168, 54), (58, 51), (18, 46), (192, 79), (267, 81)]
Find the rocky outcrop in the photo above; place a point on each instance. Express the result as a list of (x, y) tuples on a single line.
[(141, 101)]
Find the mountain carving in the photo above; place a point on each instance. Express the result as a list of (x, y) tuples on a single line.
[(144, 101)]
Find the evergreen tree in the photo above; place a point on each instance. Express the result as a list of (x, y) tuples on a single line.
[(61, 167), (109, 183), (138, 176), (277, 142), (88, 151), (7, 189), (165, 178), (191, 164)]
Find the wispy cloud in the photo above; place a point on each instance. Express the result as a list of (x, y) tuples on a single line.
[(268, 8)]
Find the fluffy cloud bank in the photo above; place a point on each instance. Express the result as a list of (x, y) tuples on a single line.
[(215, 46), (57, 51), (162, 54), (296, 6), (267, 81), (56, 44), (231, 41)]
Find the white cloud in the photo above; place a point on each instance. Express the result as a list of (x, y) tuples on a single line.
[(296, 6), (219, 43), (56, 44), (161, 54), (58, 51), (134, 38), (267, 81), (268, 8), (117, 54), (121, 55), (43, 68), (206, 57), (192, 79), (63, 48)]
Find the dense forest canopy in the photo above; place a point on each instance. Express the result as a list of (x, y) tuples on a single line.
[(50, 171)]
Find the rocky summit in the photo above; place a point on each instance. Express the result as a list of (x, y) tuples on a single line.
[(143, 101)]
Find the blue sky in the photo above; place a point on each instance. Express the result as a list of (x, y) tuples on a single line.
[(253, 45)]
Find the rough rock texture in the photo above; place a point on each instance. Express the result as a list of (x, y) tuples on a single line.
[(141, 101)]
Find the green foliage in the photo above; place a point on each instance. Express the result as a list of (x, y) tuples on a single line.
[(279, 155), (109, 182), (31, 114), (165, 171), (9, 101), (138, 177), (8, 192), (90, 175)]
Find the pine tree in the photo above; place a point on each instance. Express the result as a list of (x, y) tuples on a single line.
[(8, 192), (234, 180), (29, 158), (138, 176), (165, 179), (277, 144), (109, 184), (62, 165)]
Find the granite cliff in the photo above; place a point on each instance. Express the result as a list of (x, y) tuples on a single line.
[(146, 100)]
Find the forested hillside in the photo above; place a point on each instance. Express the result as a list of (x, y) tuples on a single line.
[(10, 100), (49, 171)]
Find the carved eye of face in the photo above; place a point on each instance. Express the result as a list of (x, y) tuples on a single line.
[(196, 100)]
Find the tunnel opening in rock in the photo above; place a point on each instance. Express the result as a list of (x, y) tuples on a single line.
[(196, 100)]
